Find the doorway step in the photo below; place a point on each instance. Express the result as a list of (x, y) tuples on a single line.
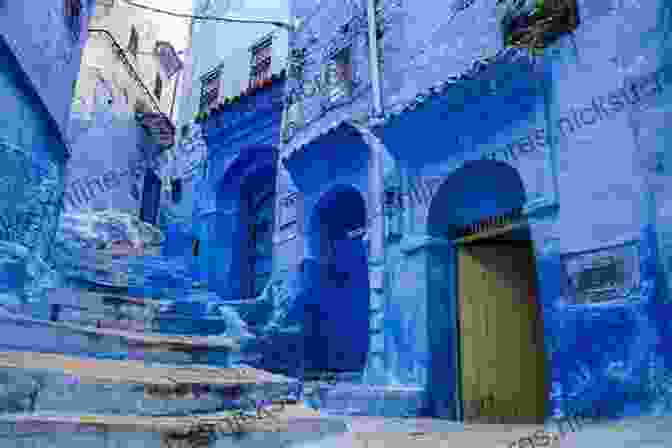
[(364, 400)]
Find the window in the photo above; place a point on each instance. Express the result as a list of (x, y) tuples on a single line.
[(260, 67), (73, 14), (380, 18), (210, 89), (338, 76), (297, 60), (158, 86), (176, 190), (133, 42)]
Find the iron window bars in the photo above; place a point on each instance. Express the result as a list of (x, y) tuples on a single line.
[(210, 88), (260, 65)]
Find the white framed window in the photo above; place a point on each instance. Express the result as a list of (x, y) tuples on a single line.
[(210, 83)]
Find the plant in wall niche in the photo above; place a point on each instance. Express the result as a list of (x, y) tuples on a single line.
[(535, 24), (201, 116)]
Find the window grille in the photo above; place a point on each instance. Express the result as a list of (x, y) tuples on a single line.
[(210, 89), (260, 66), (296, 63)]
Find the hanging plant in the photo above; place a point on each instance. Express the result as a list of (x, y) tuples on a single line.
[(535, 24)]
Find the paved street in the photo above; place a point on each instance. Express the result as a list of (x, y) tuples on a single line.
[(368, 432)]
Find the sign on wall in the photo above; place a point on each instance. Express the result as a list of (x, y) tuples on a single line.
[(601, 275)]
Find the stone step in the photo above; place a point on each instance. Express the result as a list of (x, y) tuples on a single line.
[(364, 400), (103, 310), (289, 426), (29, 334), (51, 382)]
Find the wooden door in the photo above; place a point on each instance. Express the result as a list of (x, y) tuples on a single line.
[(503, 378)]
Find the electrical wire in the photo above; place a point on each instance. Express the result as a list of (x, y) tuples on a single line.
[(277, 23)]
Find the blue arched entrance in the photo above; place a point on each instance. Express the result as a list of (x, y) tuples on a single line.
[(238, 247), (484, 321), (337, 317)]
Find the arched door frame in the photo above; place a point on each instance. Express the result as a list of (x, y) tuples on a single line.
[(319, 234), (230, 217), (542, 225)]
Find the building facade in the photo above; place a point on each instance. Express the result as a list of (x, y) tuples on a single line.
[(222, 57), (482, 215), (121, 113), (243, 59), (41, 51)]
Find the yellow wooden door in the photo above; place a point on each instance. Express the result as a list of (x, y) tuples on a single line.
[(501, 351)]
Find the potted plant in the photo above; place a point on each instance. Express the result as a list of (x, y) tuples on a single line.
[(535, 24)]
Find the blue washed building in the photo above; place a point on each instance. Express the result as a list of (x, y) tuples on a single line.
[(235, 213), (41, 49), (481, 218)]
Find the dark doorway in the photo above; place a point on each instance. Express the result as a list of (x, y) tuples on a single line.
[(337, 323), (151, 197)]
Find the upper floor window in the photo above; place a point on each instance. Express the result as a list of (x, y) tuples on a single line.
[(260, 67), (338, 76), (133, 42), (158, 87), (210, 89), (73, 16)]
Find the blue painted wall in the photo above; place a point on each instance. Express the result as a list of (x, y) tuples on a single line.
[(38, 72), (109, 157), (596, 186)]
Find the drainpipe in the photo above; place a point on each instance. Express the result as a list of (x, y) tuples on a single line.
[(375, 369), (373, 60)]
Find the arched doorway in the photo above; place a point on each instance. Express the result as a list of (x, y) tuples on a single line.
[(237, 245), (258, 201), (483, 282), (337, 320)]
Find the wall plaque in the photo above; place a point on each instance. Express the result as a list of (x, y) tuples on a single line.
[(602, 275)]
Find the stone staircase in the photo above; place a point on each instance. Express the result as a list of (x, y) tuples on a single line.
[(125, 350), (54, 400)]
